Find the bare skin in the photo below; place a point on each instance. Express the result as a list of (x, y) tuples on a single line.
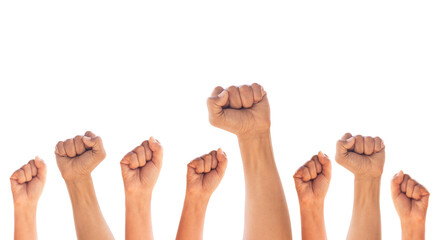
[(140, 171), (27, 184), (245, 112), (411, 203), (312, 183), (364, 157), (76, 159), (203, 176)]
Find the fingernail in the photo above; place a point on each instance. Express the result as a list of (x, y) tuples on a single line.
[(222, 94), (382, 144)]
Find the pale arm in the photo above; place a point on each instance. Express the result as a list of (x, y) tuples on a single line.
[(266, 210), (25, 224), (366, 217), (192, 218), (138, 223), (89, 221)]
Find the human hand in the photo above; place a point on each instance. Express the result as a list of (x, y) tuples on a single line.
[(27, 183), (410, 198), (312, 180), (242, 110), (141, 167), (78, 157), (363, 156), (205, 173)]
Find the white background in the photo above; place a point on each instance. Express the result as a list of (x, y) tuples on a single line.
[(131, 69)]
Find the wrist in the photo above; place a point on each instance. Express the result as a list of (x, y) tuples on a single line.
[(25, 205), (138, 202), (253, 136), (27, 208), (197, 197), (413, 230), (25, 214), (367, 179), (367, 191), (78, 180), (311, 206)]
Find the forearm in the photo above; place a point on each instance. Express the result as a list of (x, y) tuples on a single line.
[(25, 225), (192, 218), (266, 211), (313, 222), (89, 221), (138, 223), (366, 218), (413, 230)]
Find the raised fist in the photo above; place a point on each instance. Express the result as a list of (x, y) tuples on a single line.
[(241, 110), (410, 198), (141, 167), (205, 173), (312, 179), (363, 156), (77, 157), (27, 183)]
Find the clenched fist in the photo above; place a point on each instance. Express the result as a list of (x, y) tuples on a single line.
[(27, 183), (77, 157), (363, 156), (241, 110), (141, 166), (312, 179), (410, 198), (205, 173)]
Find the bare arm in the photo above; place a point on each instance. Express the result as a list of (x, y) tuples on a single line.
[(312, 183), (77, 158), (89, 221), (411, 202), (364, 157), (245, 111), (138, 224), (266, 211), (140, 171), (25, 223), (27, 184), (366, 218), (203, 176), (192, 218)]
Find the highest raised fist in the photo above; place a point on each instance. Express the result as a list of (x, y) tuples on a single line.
[(77, 157), (363, 156), (312, 180), (141, 166), (242, 110), (205, 173), (410, 198), (27, 183)]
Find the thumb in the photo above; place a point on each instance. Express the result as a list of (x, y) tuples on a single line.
[(326, 164), (41, 167), (191, 173), (298, 176), (125, 166), (95, 143), (395, 184), (222, 162), (157, 151), (425, 195), (344, 145), (216, 103)]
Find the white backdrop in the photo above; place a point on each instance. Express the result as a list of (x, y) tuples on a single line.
[(131, 69)]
